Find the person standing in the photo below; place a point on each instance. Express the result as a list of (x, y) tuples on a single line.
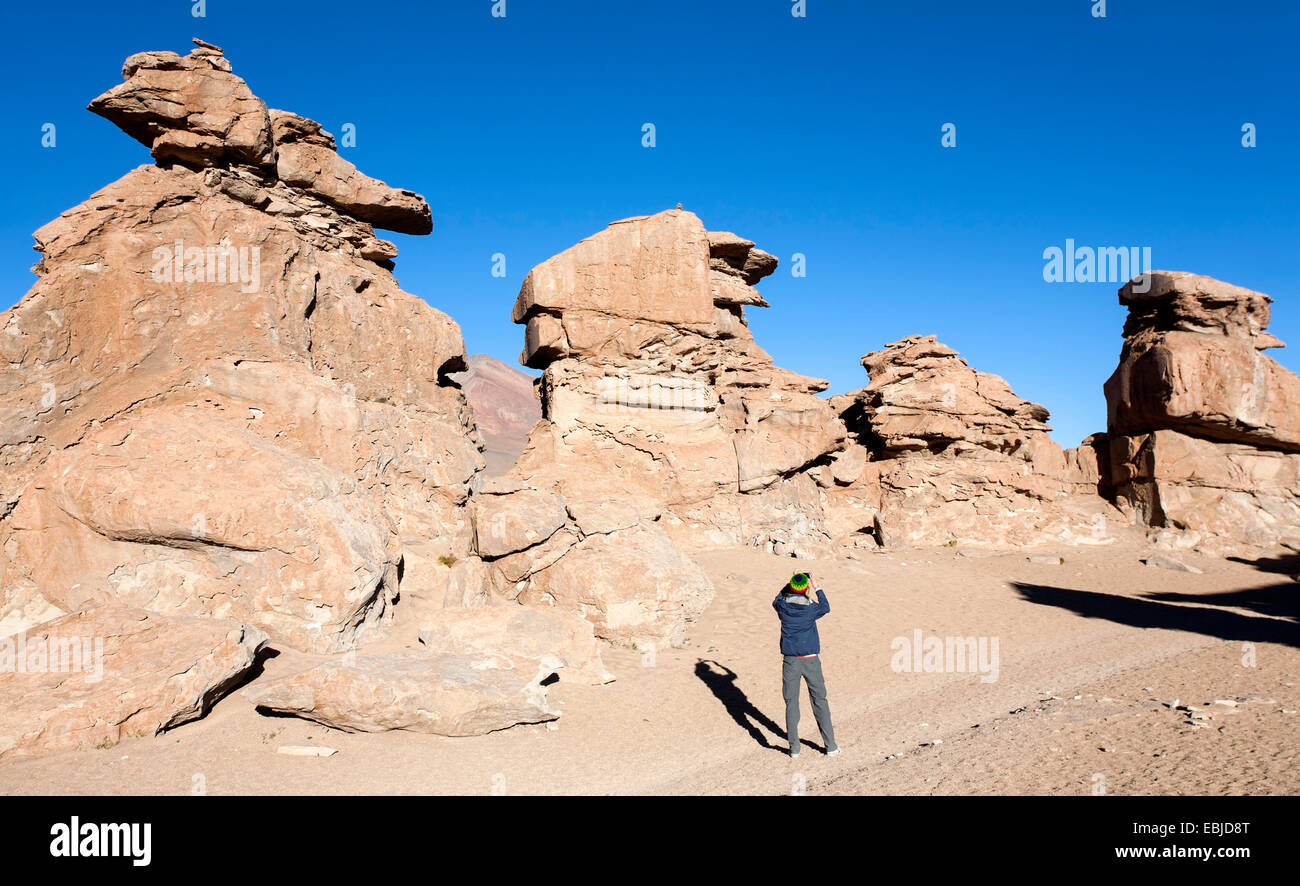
[(800, 653)]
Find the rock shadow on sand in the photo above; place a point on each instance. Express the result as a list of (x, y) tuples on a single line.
[(1279, 621)]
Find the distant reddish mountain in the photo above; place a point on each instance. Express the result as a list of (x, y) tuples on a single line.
[(505, 408)]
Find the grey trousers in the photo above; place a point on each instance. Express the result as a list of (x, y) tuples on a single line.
[(793, 669)]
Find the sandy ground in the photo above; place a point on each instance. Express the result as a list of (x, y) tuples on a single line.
[(1095, 656)]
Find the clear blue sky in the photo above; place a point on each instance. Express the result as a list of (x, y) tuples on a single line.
[(818, 135)]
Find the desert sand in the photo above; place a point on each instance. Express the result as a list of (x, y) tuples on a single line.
[(1092, 654)]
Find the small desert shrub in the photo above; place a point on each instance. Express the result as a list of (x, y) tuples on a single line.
[(447, 559)]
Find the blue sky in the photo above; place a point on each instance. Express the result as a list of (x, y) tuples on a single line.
[(817, 135)]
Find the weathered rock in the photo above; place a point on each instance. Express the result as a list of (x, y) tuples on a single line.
[(955, 455), (1204, 430), (168, 510), (514, 570), (848, 464), (923, 396), (443, 694), (215, 400), (189, 109), (1211, 386), (193, 110), (657, 405), (91, 679), (1218, 495), (1162, 301), (523, 633), (504, 524), (317, 168), (1087, 466), (736, 256), (594, 516), (632, 585), (651, 269), (441, 580)]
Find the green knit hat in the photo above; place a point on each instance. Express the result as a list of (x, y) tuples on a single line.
[(799, 582)]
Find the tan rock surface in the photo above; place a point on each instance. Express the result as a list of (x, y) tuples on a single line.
[(441, 693), (169, 510), (1204, 429), (633, 585), (953, 456), (664, 426), (523, 633), (217, 399), (189, 108), (1192, 362), (1219, 495), (91, 679)]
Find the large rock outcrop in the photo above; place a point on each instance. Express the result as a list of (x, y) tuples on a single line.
[(217, 400), (942, 453), (1204, 428), (217, 404), (665, 429)]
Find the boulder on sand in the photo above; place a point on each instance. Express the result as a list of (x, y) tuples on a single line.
[(92, 678), (439, 693)]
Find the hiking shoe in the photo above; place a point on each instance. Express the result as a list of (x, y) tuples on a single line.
[(832, 753)]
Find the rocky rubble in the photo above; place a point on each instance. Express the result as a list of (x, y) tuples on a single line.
[(1204, 428)]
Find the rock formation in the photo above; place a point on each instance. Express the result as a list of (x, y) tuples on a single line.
[(942, 453), (93, 678), (224, 425), (216, 399), (217, 405), (1204, 428), (664, 429)]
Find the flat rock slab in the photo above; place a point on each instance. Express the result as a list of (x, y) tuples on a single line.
[(93, 678), (442, 694)]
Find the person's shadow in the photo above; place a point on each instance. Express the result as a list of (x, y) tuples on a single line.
[(722, 683)]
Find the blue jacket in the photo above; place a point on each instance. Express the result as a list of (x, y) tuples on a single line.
[(799, 622)]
